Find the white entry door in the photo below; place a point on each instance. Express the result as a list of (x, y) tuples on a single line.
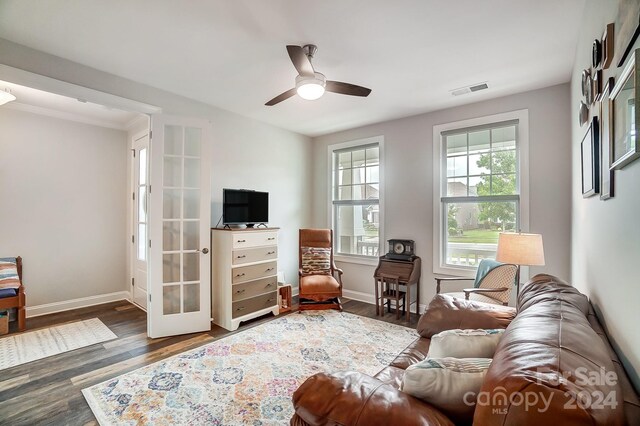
[(140, 219), (179, 218)]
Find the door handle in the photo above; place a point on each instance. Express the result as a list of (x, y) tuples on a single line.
[(204, 250)]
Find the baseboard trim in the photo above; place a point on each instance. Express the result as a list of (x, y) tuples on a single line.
[(83, 302), (370, 298)]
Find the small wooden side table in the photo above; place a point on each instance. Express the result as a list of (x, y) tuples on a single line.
[(408, 273), (284, 291)]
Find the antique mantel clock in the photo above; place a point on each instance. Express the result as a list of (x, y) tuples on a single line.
[(401, 249)]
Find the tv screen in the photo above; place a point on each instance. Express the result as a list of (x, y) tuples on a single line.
[(240, 206)]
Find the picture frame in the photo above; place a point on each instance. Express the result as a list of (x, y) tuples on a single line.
[(597, 84), (590, 159), (627, 26), (607, 174), (625, 139), (607, 43)]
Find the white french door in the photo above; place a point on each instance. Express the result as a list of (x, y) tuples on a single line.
[(179, 219), (140, 220)]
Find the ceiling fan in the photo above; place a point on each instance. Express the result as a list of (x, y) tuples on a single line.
[(310, 84)]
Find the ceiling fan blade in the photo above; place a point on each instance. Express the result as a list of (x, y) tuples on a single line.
[(300, 61), (281, 97), (346, 88)]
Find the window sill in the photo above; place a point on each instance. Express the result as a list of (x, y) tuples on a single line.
[(452, 271), (359, 260)]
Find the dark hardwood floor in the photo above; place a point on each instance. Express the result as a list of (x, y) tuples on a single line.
[(48, 391)]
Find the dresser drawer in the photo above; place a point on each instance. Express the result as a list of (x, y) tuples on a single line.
[(253, 288), (250, 273), (254, 255), (254, 239), (247, 306)]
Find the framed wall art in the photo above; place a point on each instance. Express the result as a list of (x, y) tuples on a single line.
[(627, 28), (606, 173), (590, 157), (625, 141), (607, 46)]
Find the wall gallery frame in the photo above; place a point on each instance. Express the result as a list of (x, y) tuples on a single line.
[(607, 174), (590, 158), (625, 140), (627, 27)]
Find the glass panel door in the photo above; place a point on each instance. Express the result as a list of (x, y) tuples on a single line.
[(181, 291)]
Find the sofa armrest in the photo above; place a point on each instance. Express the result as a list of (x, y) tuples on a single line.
[(351, 399)]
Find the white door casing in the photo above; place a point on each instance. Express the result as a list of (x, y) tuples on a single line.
[(179, 222)]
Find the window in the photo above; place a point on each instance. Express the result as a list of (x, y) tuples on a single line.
[(355, 197), (479, 189)]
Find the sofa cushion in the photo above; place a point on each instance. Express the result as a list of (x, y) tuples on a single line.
[(391, 376), (359, 400), (451, 384), (548, 353), (446, 313), (316, 261), (415, 352), (465, 343)]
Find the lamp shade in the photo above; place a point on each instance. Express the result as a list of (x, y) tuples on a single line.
[(520, 249)]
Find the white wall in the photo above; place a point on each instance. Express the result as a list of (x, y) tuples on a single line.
[(606, 236), (409, 180), (63, 205), (247, 153)]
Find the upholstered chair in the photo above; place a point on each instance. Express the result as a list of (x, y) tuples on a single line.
[(492, 284), (320, 279)]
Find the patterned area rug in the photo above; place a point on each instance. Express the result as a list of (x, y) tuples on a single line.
[(38, 344), (248, 378)]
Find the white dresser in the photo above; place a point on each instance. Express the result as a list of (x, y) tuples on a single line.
[(244, 267)]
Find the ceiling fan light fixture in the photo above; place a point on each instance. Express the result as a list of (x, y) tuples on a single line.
[(6, 96), (310, 88)]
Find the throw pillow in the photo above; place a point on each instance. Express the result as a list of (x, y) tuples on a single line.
[(9, 273), (316, 261), (451, 384), (447, 312), (465, 343)]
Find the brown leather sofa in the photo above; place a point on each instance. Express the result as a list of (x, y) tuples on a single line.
[(554, 350)]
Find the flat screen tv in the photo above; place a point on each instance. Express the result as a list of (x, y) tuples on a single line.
[(244, 207)]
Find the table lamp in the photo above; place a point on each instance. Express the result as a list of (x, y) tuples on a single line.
[(521, 250)]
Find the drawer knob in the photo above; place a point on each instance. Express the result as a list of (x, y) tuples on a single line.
[(240, 275), (270, 285), (241, 291), (271, 300), (271, 238), (269, 269), (240, 309), (242, 257), (242, 241), (271, 252)]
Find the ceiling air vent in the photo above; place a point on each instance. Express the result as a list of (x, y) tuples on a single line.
[(469, 89)]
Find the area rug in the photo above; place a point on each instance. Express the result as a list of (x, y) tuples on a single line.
[(38, 344), (247, 378)]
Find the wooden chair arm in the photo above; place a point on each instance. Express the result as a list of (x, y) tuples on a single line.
[(299, 272), (449, 279)]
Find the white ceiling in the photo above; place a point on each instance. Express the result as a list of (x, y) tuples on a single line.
[(231, 54), (50, 104)]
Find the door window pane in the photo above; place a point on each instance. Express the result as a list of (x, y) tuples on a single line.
[(142, 204), (193, 136), (171, 299), (191, 173), (172, 173), (191, 235), (191, 204), (173, 140), (170, 235), (191, 297), (171, 268), (191, 266), (171, 203), (142, 167)]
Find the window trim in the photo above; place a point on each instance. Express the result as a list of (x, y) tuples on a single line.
[(522, 116), (354, 258)]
